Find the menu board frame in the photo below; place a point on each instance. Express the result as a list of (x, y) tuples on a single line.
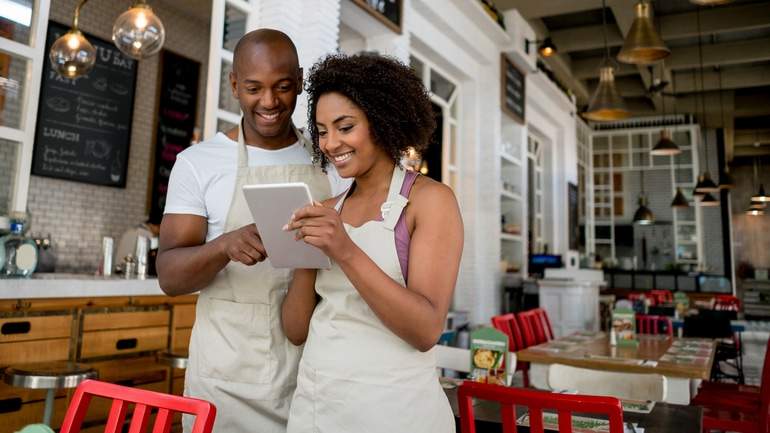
[(396, 25), (509, 89), (86, 154), (168, 116)]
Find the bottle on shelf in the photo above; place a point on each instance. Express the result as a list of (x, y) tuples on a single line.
[(20, 252)]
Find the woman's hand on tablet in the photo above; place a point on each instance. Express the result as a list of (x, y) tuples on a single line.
[(321, 227), (243, 245)]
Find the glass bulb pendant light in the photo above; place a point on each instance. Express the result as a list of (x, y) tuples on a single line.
[(606, 104), (643, 45), (138, 32), (72, 55), (755, 212), (761, 196)]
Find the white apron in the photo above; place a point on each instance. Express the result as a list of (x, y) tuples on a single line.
[(356, 375), (240, 359)]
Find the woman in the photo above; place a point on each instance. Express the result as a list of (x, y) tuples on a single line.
[(367, 365)]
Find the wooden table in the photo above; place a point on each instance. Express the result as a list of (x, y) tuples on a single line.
[(597, 354), (664, 418)]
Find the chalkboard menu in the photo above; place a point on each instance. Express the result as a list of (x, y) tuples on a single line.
[(175, 122), (512, 85), (389, 12), (84, 124)]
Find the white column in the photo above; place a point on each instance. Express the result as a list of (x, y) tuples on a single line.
[(391, 45), (313, 25)]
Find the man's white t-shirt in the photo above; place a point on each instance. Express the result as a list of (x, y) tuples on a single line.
[(202, 181)]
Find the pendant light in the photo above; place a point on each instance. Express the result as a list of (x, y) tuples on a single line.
[(665, 145), (705, 183), (709, 200), (726, 180), (138, 32), (643, 215), (755, 212), (606, 104), (72, 55), (710, 2), (680, 201), (643, 45), (760, 197)]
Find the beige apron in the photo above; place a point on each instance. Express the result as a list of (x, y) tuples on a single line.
[(356, 375), (240, 359)]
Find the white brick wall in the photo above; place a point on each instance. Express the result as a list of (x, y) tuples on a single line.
[(9, 151), (78, 215)]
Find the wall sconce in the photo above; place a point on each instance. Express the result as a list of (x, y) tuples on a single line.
[(546, 47)]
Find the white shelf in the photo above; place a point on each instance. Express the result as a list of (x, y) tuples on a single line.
[(510, 159), (510, 237), (506, 195)]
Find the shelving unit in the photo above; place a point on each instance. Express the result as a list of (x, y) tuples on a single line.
[(512, 191), (618, 158)]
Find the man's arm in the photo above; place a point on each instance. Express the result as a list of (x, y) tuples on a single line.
[(187, 263)]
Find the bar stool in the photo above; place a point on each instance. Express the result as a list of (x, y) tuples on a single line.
[(177, 359), (173, 359), (50, 376)]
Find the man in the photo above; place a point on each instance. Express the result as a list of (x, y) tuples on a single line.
[(240, 360)]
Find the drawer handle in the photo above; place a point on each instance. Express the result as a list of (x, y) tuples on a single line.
[(9, 405), (16, 328), (126, 343)]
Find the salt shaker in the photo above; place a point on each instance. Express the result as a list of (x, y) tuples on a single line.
[(129, 267)]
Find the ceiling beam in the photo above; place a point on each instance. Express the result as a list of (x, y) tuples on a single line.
[(733, 78), (728, 53), (561, 67), (676, 26), (545, 8)]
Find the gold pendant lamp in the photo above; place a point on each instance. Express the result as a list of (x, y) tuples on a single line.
[(726, 180), (606, 104), (72, 55), (643, 45), (680, 201)]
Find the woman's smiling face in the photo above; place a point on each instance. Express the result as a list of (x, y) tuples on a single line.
[(344, 135)]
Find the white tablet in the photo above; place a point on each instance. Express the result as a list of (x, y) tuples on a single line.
[(271, 206)]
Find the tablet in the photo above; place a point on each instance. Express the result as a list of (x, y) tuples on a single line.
[(271, 206)]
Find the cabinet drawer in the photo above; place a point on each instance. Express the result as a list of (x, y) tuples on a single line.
[(14, 418), (104, 343), (9, 395), (131, 371), (130, 319), (181, 340), (34, 328), (25, 352), (184, 316)]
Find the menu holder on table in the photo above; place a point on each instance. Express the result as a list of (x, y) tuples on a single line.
[(624, 327), (638, 406), (489, 356)]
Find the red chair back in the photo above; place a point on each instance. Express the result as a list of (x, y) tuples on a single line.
[(633, 297), (535, 326), (650, 324), (144, 402), (507, 324), (535, 401), (661, 296), (727, 303)]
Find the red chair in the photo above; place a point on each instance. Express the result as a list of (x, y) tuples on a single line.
[(144, 401), (661, 296), (535, 326), (650, 324), (535, 401), (507, 324), (720, 394), (727, 303), (635, 296)]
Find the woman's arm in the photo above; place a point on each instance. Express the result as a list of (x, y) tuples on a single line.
[(415, 313), (298, 306)]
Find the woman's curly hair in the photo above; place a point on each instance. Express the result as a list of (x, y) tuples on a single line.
[(389, 93)]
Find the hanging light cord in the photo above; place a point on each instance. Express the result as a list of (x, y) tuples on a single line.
[(702, 90), (77, 14), (604, 32)]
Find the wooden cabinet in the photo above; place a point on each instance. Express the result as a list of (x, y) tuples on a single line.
[(118, 336)]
